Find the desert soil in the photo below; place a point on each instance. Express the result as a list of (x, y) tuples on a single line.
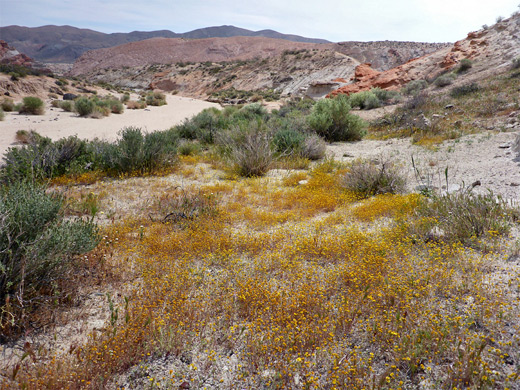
[(56, 123)]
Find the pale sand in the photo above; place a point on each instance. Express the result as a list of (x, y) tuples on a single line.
[(57, 123)]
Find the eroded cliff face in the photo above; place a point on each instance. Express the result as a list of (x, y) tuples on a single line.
[(200, 67), (490, 49), (9, 55)]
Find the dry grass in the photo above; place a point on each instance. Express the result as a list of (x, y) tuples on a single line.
[(290, 284)]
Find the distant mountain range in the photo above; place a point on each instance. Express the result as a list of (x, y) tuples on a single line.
[(64, 44)]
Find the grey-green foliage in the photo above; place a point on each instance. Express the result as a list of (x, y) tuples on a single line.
[(84, 106), (332, 120), (288, 142), (37, 246), (138, 152), (414, 87), (444, 80)]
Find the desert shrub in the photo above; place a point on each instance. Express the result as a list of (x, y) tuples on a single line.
[(55, 103), (188, 148), (7, 105), (37, 246), (365, 100), (248, 147), (515, 63), (67, 105), (203, 126), (84, 106), (32, 105), (414, 87), (116, 107), (156, 99), (136, 105), (42, 159), (183, 206), (125, 98), (464, 90), (466, 217), (385, 96), (331, 119), (368, 178), (138, 152), (444, 80), (313, 148), (2, 115), (464, 65), (288, 142), (249, 112)]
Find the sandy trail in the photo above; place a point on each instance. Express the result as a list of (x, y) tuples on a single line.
[(57, 123)]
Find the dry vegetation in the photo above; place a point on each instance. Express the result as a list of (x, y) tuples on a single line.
[(285, 282)]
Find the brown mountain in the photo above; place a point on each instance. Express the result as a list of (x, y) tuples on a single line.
[(66, 43)]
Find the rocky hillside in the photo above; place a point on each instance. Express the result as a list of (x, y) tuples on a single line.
[(64, 44), (200, 67), (490, 50), (10, 56)]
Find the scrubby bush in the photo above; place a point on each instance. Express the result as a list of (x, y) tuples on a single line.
[(37, 246), (32, 105), (365, 100), (116, 107), (444, 80), (84, 106), (248, 147), (331, 119), (7, 105), (2, 115), (466, 217), (136, 105), (464, 90), (368, 178), (125, 98), (156, 99), (188, 148), (203, 126), (515, 64), (385, 96), (67, 105), (313, 148), (414, 87), (138, 152), (464, 65), (288, 142)]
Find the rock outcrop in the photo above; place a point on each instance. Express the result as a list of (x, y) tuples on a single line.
[(490, 49), (9, 55)]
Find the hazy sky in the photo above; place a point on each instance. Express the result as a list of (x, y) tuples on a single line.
[(335, 20)]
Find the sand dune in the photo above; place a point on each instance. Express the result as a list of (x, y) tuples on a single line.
[(57, 124)]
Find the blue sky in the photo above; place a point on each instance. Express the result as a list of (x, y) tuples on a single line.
[(335, 20)]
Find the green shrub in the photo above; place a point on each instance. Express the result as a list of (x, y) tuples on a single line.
[(331, 119), (2, 115), (7, 105), (32, 105), (444, 80), (136, 105), (368, 179), (414, 87), (116, 107), (84, 106), (365, 100), (156, 99), (466, 217), (464, 65), (515, 63), (288, 142), (188, 148), (464, 90), (125, 98), (204, 126), (385, 96), (37, 246), (67, 105)]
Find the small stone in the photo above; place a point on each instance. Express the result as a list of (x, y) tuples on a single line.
[(447, 107), (514, 184), (504, 146), (475, 184), (184, 386)]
